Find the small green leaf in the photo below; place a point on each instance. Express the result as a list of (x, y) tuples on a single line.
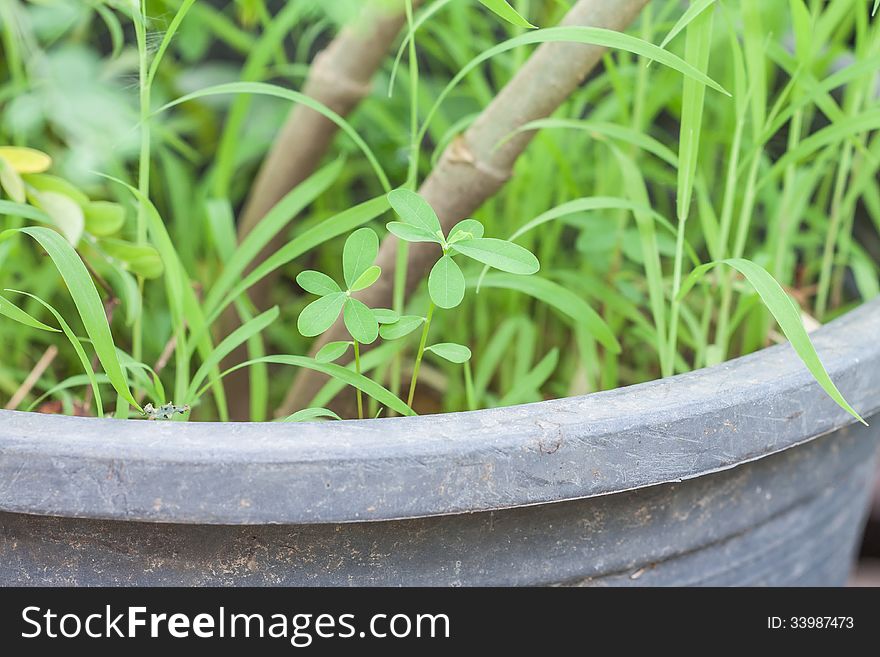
[(44, 182), (366, 279), (307, 414), (13, 312), (65, 214), (499, 254), (104, 218), (446, 283), (11, 182), (360, 321), (402, 327), (787, 315), (385, 316), (315, 282), (466, 229), (141, 259), (332, 351), (361, 249), (320, 314), (415, 210), (410, 233), (454, 353), (503, 9)]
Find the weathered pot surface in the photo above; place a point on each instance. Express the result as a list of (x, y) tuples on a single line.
[(741, 473)]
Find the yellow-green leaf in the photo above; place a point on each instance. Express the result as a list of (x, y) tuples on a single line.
[(26, 160)]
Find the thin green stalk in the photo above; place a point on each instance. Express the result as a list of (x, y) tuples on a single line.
[(784, 220), (470, 394), (413, 170), (398, 303), (676, 287), (697, 47), (357, 368), (143, 162), (10, 44), (831, 237), (837, 216), (402, 261), (421, 352), (722, 337)]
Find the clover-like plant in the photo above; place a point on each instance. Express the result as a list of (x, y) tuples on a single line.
[(361, 322), (446, 282)]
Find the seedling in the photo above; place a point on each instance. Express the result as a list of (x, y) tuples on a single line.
[(362, 322), (446, 282)]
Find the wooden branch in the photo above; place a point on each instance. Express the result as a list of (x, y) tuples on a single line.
[(340, 77), (472, 169)]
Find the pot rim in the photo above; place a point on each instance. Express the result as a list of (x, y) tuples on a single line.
[(658, 432)]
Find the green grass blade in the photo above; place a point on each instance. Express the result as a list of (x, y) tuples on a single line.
[(595, 36), (24, 211), (832, 134), (74, 381), (235, 339), (699, 40), (167, 38), (693, 11), (635, 186), (343, 374), (502, 9), (84, 360), (420, 20), (273, 223), (308, 414), (563, 300), (374, 358), (16, 314), (86, 299), (221, 220), (532, 381), (602, 129), (328, 229), (264, 89), (787, 315), (183, 302)]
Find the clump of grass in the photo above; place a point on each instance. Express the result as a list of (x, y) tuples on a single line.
[(714, 179)]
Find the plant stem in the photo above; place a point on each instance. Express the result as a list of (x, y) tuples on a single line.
[(11, 45), (412, 176), (357, 368), (722, 337), (831, 237), (676, 287), (469, 387), (143, 163), (419, 354)]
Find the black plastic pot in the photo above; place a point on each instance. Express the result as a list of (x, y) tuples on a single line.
[(744, 473)]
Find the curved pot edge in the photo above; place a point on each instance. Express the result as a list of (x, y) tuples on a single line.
[(658, 432)]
